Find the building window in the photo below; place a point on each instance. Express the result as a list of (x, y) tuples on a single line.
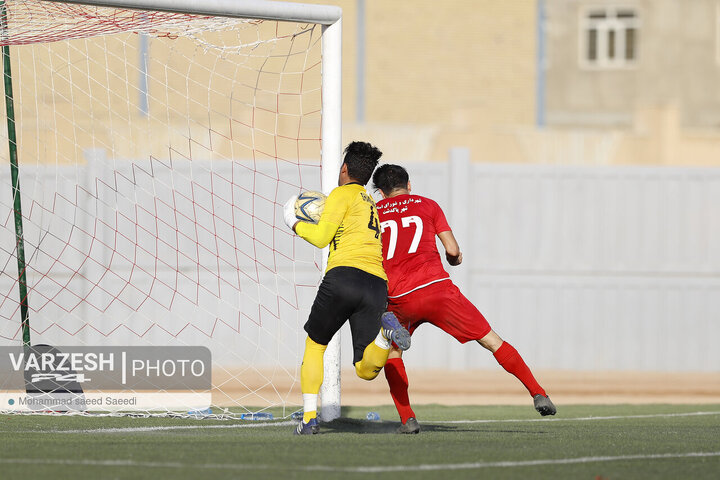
[(609, 37)]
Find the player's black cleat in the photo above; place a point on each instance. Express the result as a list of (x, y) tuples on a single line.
[(409, 427), (310, 428), (393, 331), (544, 405)]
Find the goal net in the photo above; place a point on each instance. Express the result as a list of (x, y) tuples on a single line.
[(155, 150)]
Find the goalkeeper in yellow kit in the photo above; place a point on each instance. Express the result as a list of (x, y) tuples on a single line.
[(354, 287)]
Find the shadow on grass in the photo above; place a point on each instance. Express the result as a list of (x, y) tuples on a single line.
[(352, 425)]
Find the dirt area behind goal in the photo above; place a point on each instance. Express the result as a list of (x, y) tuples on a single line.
[(489, 387)]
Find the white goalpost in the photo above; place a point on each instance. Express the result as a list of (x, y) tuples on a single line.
[(152, 145)]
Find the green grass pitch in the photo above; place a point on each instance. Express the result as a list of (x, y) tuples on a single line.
[(499, 442)]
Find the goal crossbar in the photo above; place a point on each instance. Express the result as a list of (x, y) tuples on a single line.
[(259, 9)]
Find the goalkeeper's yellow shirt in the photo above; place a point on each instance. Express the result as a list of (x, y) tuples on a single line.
[(349, 224)]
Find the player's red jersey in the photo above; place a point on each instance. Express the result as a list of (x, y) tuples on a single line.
[(409, 225)]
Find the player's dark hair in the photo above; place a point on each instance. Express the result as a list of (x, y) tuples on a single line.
[(361, 159), (388, 177)]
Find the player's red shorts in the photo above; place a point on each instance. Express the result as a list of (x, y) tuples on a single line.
[(443, 305)]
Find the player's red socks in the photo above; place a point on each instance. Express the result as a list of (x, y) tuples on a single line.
[(398, 382), (512, 362)]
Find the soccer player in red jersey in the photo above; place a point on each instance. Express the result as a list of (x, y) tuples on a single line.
[(420, 290)]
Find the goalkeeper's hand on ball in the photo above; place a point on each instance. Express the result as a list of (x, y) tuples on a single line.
[(289, 212)]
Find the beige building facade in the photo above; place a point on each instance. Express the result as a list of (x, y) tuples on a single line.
[(608, 59), (438, 75), (601, 83), (638, 77), (631, 82)]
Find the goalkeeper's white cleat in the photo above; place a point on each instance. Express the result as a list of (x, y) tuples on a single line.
[(393, 331)]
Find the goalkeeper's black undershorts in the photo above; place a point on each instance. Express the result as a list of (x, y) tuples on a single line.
[(348, 293)]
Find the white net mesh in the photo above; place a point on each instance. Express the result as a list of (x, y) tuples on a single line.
[(155, 153)]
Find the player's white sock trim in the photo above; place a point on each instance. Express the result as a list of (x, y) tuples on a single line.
[(310, 402), (382, 342)]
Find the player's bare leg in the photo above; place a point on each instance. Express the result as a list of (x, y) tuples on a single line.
[(491, 341), (398, 382), (513, 363)]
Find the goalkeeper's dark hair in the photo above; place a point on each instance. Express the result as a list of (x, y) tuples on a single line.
[(389, 177), (361, 159)]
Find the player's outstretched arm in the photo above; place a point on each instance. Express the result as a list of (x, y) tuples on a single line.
[(319, 235), (452, 249)]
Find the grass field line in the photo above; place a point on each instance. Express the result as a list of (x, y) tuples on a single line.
[(363, 469), (578, 419), (294, 422), (160, 428)]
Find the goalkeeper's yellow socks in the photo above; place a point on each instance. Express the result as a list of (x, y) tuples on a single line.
[(374, 358), (512, 362), (311, 377), (307, 416)]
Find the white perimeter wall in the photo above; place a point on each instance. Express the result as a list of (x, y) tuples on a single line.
[(589, 268)]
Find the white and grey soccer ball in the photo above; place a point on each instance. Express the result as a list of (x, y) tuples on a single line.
[(309, 206)]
